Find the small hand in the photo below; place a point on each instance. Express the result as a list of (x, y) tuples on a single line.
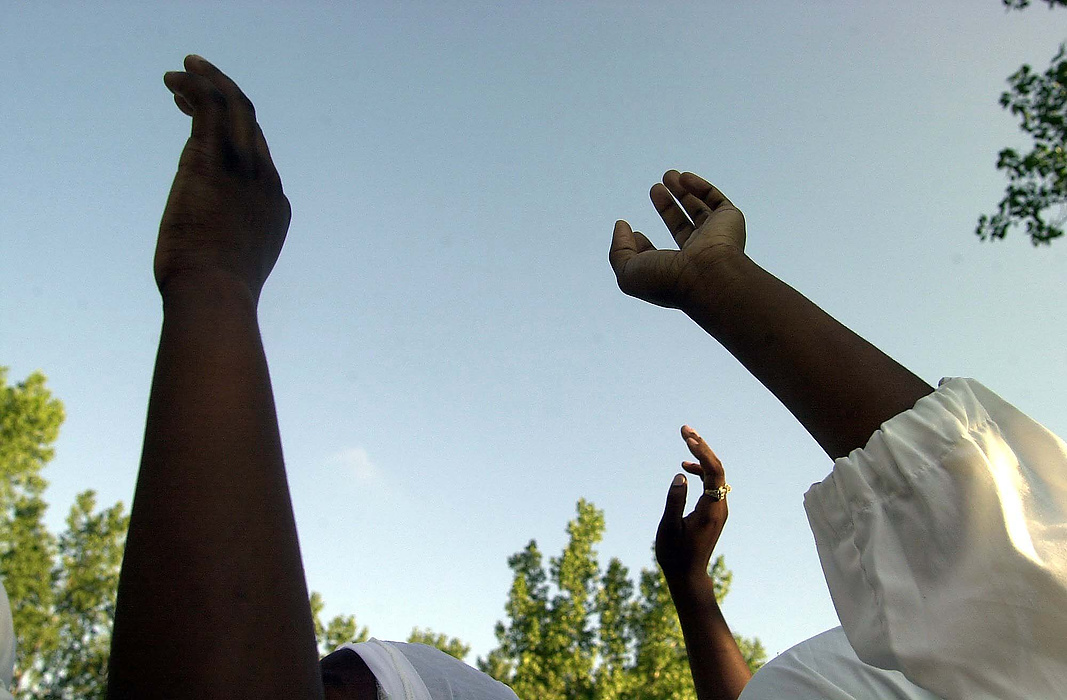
[(706, 227), (684, 545), (226, 212)]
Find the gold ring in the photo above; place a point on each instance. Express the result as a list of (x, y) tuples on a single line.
[(719, 493)]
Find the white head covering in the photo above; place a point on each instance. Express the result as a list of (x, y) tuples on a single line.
[(7, 646), (826, 668), (421, 672)]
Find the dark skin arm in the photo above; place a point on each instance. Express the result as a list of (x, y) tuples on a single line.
[(683, 550), (212, 601), (840, 387)]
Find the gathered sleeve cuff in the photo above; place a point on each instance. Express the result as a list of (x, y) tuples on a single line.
[(944, 546)]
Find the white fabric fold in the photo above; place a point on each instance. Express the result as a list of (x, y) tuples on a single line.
[(826, 668), (7, 646), (421, 672), (396, 677), (944, 545)]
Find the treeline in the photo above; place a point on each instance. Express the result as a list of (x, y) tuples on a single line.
[(572, 629)]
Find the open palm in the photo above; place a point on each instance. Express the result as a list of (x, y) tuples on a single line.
[(706, 226)]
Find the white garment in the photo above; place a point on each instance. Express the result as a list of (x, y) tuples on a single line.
[(826, 668), (7, 646), (421, 672), (944, 545)]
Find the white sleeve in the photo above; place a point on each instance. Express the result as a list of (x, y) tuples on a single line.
[(944, 545)]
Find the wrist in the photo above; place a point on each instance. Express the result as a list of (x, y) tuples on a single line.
[(715, 287), (215, 289), (694, 586)]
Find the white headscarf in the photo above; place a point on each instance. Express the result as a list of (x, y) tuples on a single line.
[(421, 672), (7, 646), (826, 668)]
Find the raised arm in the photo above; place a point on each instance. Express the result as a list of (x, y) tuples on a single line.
[(683, 549), (839, 386), (212, 601)]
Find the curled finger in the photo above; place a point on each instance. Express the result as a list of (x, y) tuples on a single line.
[(710, 464), (693, 468), (695, 209), (242, 112), (183, 105), (704, 191), (206, 105), (676, 220)]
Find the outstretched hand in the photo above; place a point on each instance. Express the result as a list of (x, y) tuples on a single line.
[(684, 544), (706, 226), (227, 213)]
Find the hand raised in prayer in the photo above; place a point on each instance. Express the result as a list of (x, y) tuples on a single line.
[(707, 228), (684, 544), (226, 214)]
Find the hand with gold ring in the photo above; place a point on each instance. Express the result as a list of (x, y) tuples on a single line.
[(684, 544)]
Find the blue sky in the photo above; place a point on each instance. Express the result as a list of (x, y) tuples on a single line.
[(453, 364)]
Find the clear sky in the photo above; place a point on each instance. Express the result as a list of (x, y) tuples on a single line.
[(453, 364)]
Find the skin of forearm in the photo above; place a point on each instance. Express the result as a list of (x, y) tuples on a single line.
[(839, 386), (719, 670), (212, 528)]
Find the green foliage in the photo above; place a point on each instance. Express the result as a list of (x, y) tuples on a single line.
[(548, 650), (1037, 181), (573, 633), (1023, 4), (27, 553), (752, 651), (342, 629), (661, 667), (616, 612), (62, 589), (29, 423), (450, 645), (85, 580)]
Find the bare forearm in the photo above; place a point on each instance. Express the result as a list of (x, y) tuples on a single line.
[(212, 527), (719, 670), (839, 386)]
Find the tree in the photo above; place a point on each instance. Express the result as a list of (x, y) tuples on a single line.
[(450, 645), (29, 423), (661, 667), (1023, 4), (85, 578), (1037, 181), (62, 588), (616, 612), (573, 633), (342, 629)]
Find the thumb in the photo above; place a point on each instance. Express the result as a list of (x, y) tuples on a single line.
[(623, 246), (675, 506)]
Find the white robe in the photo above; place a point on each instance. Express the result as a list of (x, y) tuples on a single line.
[(826, 668), (944, 545)]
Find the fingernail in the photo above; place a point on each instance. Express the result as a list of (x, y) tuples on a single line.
[(679, 480)]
